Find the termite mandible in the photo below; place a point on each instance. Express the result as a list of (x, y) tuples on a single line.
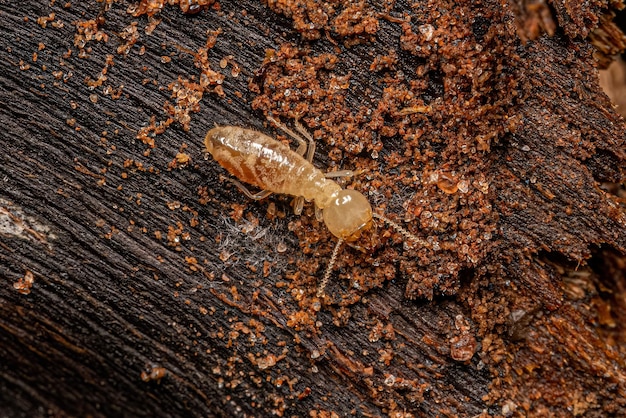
[(264, 162)]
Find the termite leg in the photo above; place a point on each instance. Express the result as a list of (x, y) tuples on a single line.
[(307, 135), (302, 147), (339, 173), (301, 144), (318, 214), (298, 204), (254, 196)]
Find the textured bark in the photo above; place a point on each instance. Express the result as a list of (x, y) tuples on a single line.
[(119, 257)]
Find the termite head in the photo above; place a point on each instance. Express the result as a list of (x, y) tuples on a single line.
[(348, 215)]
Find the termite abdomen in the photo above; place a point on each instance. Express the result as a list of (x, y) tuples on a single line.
[(262, 161)]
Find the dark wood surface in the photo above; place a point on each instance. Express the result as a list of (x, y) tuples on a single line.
[(505, 156)]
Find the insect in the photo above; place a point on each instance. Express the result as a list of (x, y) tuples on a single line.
[(264, 162)]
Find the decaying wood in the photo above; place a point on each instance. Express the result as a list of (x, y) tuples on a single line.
[(136, 282)]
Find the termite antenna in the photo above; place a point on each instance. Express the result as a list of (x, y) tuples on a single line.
[(402, 231), (329, 269)]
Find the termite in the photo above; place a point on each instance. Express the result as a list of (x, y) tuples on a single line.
[(264, 162)]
